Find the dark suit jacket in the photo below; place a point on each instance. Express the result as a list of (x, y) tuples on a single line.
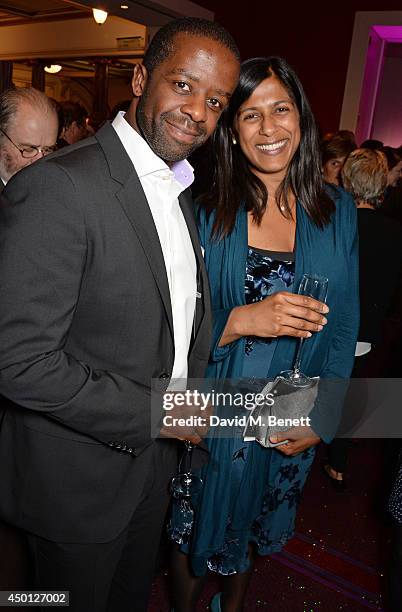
[(85, 324)]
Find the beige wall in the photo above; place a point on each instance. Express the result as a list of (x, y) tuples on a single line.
[(61, 88), (76, 37)]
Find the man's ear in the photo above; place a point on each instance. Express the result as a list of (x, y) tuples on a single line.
[(138, 82)]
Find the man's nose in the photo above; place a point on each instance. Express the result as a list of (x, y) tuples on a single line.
[(196, 108)]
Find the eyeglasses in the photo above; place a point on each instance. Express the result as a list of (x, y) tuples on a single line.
[(30, 151)]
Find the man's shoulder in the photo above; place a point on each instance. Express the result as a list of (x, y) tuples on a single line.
[(100, 155), (78, 154), (58, 177), (62, 166)]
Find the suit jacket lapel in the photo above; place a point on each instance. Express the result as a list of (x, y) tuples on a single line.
[(135, 205), (187, 208), (132, 198), (203, 299)]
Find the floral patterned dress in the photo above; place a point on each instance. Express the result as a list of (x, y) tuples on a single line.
[(216, 531)]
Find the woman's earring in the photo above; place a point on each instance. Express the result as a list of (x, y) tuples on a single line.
[(234, 139)]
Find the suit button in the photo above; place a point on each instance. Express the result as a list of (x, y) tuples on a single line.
[(164, 375)]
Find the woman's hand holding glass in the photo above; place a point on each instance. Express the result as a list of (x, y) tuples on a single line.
[(280, 314)]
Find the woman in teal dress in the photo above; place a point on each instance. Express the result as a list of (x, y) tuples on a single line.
[(266, 221)]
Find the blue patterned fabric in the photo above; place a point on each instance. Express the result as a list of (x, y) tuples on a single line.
[(272, 527), (250, 493), (265, 275)]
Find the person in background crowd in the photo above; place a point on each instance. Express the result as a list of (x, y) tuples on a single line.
[(346, 134), (72, 123), (394, 161), (266, 219), (334, 150), (392, 205), (375, 145), (365, 175), (28, 129), (103, 290)]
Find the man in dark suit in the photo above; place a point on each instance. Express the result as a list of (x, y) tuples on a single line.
[(103, 289)]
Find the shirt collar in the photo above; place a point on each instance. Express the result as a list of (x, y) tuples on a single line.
[(144, 159)]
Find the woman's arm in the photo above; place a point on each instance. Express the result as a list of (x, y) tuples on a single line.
[(280, 314), (326, 414)]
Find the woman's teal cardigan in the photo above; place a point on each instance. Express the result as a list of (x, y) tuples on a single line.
[(331, 252)]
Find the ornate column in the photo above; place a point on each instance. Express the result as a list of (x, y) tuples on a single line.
[(6, 75), (38, 75), (100, 108)]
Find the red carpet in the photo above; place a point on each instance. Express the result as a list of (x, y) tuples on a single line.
[(337, 559)]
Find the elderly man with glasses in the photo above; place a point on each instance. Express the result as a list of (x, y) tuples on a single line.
[(28, 129)]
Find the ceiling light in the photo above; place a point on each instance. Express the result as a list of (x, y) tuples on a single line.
[(124, 6), (53, 68), (99, 16)]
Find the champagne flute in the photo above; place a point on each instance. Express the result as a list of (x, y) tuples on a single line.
[(316, 287), (183, 486), (185, 483)]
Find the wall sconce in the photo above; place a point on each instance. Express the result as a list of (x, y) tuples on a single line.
[(53, 68), (99, 16)]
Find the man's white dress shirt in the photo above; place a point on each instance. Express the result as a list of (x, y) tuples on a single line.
[(162, 186)]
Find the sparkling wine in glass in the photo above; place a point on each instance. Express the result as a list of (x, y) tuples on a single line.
[(316, 287)]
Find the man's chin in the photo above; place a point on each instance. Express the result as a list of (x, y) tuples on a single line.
[(174, 152)]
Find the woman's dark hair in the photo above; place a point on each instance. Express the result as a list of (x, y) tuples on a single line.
[(235, 185)]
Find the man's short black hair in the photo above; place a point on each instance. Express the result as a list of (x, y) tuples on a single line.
[(162, 44)]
